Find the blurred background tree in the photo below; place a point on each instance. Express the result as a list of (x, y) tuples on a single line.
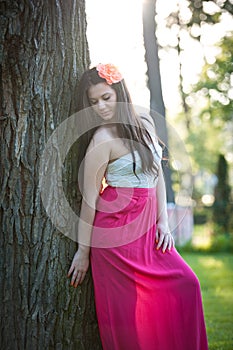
[(221, 206), (207, 112), (155, 86)]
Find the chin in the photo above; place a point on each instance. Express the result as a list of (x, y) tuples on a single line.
[(106, 117)]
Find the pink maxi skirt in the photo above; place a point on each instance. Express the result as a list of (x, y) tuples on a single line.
[(145, 299)]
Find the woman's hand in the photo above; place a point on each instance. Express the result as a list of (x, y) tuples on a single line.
[(164, 240), (79, 267)]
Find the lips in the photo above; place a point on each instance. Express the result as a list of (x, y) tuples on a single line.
[(105, 115)]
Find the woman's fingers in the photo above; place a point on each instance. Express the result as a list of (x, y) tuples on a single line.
[(160, 241), (82, 277), (78, 274), (172, 243), (73, 278), (78, 268), (165, 241), (77, 278), (70, 271), (157, 236)]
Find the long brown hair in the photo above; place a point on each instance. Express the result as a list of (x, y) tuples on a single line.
[(129, 125)]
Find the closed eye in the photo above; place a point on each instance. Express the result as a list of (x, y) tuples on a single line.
[(93, 102), (105, 98)]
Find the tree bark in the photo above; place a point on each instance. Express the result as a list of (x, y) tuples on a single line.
[(154, 83), (43, 51)]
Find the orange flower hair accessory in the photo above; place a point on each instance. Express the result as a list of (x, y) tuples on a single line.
[(109, 72)]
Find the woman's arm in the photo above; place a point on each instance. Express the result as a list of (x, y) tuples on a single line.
[(95, 164), (163, 235)]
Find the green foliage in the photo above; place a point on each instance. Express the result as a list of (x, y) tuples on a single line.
[(221, 243), (215, 85), (202, 13), (211, 108), (206, 240), (203, 144), (208, 115), (208, 12), (202, 214)]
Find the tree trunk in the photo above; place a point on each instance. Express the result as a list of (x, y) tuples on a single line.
[(154, 82), (43, 53)]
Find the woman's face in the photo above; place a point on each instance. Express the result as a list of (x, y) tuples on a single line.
[(103, 99)]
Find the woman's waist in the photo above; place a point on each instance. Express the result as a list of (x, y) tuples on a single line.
[(131, 181), (129, 191)]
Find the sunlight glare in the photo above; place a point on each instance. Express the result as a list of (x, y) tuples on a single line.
[(210, 262), (115, 35)]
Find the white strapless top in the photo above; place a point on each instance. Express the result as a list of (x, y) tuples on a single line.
[(119, 173)]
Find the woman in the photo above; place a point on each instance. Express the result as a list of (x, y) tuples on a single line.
[(146, 296)]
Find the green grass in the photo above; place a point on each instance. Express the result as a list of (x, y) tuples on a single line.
[(215, 272)]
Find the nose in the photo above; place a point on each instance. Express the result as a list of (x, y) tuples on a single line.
[(101, 105)]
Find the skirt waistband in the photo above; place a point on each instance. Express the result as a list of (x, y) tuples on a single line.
[(132, 191)]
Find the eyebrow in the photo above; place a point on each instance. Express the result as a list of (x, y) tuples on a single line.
[(106, 93)]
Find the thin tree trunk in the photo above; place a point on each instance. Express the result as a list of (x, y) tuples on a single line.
[(183, 95), (43, 52), (154, 82)]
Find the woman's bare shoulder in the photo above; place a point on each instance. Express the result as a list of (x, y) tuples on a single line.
[(147, 119), (104, 133)]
